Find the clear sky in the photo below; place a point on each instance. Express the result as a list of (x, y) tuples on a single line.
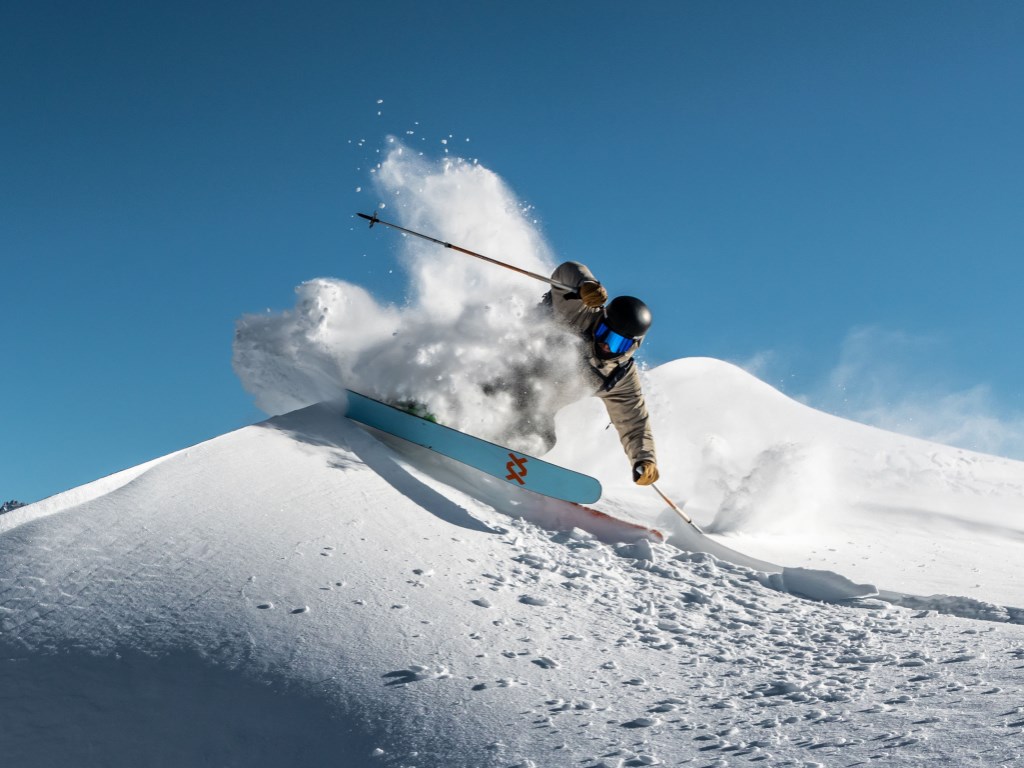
[(831, 194)]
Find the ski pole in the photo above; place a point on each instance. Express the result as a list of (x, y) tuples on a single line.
[(677, 509), (374, 220)]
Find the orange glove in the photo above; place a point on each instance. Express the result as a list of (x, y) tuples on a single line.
[(592, 293), (645, 473)]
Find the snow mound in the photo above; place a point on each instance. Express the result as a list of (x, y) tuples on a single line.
[(297, 592)]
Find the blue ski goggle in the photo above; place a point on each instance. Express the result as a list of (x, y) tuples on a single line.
[(617, 343)]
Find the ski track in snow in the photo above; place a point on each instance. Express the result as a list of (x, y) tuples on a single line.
[(272, 583)]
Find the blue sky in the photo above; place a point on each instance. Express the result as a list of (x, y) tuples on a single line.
[(830, 194)]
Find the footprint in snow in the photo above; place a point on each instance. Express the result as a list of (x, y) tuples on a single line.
[(510, 682), (904, 699), (504, 682), (960, 658), (415, 673), (265, 606), (533, 600), (303, 609), (665, 707), (878, 708), (545, 663)]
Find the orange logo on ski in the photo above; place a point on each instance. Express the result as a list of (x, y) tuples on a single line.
[(516, 468)]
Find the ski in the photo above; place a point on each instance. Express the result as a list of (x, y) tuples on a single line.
[(605, 526), (517, 469)]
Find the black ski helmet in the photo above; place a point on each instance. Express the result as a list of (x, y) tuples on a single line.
[(628, 316)]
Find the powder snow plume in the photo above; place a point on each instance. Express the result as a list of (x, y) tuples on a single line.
[(473, 343)]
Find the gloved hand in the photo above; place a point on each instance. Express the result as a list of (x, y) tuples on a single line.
[(592, 293), (645, 472)]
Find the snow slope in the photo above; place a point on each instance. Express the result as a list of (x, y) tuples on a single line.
[(299, 592), (779, 481)]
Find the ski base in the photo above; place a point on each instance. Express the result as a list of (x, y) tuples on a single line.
[(517, 469)]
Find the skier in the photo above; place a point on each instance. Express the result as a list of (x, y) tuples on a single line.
[(612, 333)]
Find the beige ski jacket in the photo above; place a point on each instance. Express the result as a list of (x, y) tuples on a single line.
[(617, 379)]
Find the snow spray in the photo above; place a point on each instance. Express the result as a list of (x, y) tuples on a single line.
[(473, 344)]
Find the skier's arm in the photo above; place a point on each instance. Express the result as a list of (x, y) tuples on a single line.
[(572, 273), (628, 411), (588, 289), (577, 308)]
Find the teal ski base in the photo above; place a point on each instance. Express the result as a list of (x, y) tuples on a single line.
[(515, 468)]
